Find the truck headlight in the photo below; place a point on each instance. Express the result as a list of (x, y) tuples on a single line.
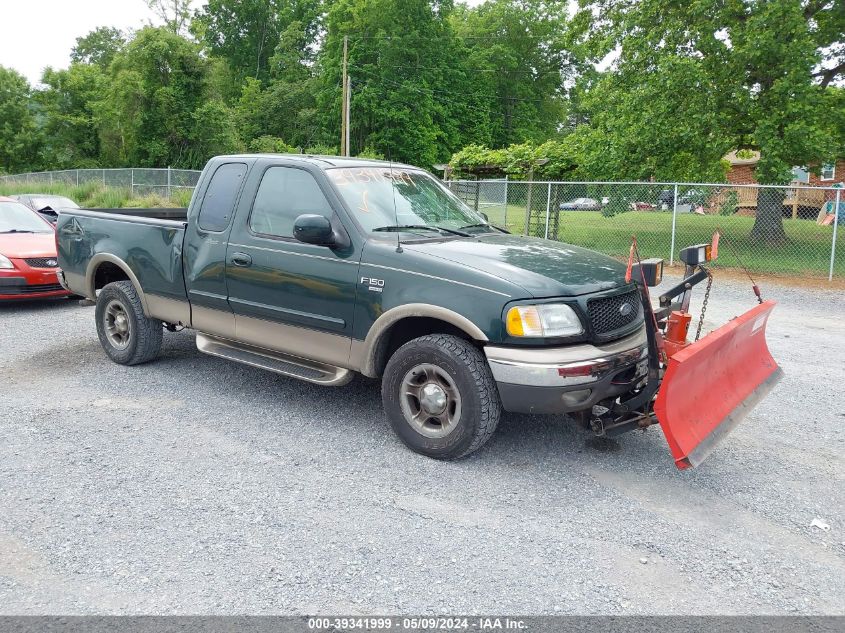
[(545, 320), (5, 262)]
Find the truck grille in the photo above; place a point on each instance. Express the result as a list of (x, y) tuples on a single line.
[(42, 262), (612, 315)]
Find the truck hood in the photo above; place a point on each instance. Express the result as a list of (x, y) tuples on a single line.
[(543, 267), (21, 245)]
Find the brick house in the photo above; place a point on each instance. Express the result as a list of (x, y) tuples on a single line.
[(741, 171)]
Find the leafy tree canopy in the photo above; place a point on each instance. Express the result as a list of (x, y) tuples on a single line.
[(148, 112), (694, 79), (602, 89), (20, 138), (98, 47), (519, 54), (246, 33), (67, 105)]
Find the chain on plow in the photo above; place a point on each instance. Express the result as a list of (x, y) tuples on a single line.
[(704, 304)]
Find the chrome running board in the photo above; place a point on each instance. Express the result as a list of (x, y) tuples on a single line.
[(277, 362)]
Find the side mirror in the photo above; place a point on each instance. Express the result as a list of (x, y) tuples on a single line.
[(486, 219), (314, 229)]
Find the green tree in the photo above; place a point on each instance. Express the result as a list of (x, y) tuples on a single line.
[(663, 124), (757, 74), (553, 160), (287, 107), (176, 14), (412, 99), (67, 108), (250, 110), (519, 53), (270, 145), (19, 136), (288, 110), (98, 47), (212, 132), (152, 108), (246, 32)]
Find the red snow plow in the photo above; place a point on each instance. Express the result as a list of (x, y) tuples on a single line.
[(697, 391)]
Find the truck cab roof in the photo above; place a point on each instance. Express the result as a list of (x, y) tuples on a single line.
[(322, 160)]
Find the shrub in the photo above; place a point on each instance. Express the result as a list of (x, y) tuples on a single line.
[(728, 206)]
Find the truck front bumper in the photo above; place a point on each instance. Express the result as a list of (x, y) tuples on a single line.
[(567, 379)]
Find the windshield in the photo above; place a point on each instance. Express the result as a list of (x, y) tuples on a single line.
[(15, 217), (54, 202), (420, 200)]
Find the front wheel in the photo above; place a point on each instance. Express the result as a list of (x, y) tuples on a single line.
[(440, 396), (127, 335)]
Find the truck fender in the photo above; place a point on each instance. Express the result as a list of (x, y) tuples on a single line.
[(91, 273), (366, 352)]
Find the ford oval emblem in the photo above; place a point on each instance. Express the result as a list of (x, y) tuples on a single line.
[(626, 309), (52, 262)]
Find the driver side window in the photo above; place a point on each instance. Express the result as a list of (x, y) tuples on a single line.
[(284, 194)]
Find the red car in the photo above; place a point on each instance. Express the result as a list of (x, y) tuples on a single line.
[(28, 261)]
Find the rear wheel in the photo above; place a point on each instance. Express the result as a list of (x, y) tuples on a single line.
[(127, 335), (440, 396)]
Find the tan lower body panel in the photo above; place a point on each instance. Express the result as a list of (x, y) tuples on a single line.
[(358, 355), (211, 321), (298, 341), (76, 283), (168, 310), (323, 347)]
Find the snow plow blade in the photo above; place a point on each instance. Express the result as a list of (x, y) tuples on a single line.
[(711, 385)]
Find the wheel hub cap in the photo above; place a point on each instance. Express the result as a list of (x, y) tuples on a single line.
[(120, 324), (430, 400), (117, 325), (433, 399)]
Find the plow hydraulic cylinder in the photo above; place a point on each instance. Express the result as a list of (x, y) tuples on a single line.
[(677, 328)]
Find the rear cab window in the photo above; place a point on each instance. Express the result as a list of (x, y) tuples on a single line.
[(218, 203)]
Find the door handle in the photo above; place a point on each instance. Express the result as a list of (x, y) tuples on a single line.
[(241, 259)]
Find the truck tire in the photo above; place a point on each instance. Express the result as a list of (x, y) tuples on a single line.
[(127, 335), (440, 397)]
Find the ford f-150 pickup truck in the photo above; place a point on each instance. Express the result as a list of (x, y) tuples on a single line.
[(321, 267)]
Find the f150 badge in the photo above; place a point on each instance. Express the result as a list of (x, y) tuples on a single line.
[(375, 285)]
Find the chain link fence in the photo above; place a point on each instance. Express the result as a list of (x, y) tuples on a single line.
[(791, 230), (140, 180)]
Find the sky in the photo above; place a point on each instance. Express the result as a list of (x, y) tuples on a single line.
[(41, 33)]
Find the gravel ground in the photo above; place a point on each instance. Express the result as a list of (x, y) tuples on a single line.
[(195, 485)]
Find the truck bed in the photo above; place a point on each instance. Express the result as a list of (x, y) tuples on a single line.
[(146, 242)]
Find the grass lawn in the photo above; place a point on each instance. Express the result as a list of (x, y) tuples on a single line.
[(806, 253), (96, 195)]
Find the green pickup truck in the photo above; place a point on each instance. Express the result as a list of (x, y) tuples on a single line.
[(322, 267)]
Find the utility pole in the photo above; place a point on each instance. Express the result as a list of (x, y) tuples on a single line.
[(348, 112), (344, 121)]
